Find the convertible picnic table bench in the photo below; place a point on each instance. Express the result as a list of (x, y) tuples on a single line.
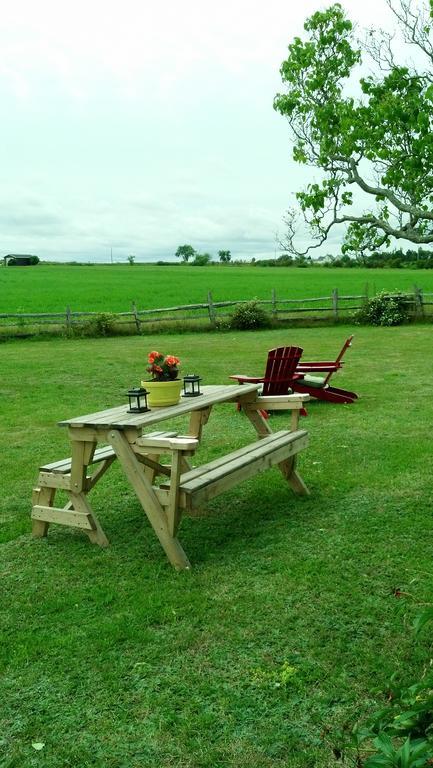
[(181, 488)]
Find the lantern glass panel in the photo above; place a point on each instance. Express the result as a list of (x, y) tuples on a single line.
[(138, 400), (191, 385)]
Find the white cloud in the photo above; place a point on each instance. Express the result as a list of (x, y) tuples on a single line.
[(146, 124)]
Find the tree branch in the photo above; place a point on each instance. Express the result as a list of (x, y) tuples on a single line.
[(388, 194)]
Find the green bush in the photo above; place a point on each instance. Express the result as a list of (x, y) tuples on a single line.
[(249, 316), (384, 309), (98, 325), (201, 260)]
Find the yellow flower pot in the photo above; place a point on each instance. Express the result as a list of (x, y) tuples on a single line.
[(162, 393)]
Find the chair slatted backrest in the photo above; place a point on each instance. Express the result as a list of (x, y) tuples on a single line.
[(280, 367), (346, 345)]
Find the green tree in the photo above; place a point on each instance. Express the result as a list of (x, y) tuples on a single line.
[(131, 260), (374, 151), (224, 256), (185, 252)]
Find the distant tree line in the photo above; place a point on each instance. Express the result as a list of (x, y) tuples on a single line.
[(411, 259), (187, 252), (286, 260)]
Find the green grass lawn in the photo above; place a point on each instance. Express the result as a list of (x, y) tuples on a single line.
[(51, 288), (288, 627)]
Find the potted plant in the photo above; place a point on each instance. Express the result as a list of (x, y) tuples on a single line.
[(165, 386)]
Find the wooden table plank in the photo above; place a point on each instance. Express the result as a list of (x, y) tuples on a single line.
[(119, 418)]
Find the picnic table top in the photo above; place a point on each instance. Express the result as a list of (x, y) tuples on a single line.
[(119, 418)]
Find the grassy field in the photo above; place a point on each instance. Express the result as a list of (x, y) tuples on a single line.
[(289, 625), (51, 288)]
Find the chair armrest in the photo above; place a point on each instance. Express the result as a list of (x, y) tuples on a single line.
[(318, 367), (247, 379)]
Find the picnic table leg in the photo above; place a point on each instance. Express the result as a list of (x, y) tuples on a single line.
[(45, 497), (257, 420), (80, 503), (81, 454), (173, 513), (288, 469), (149, 501), (197, 421), (150, 472)]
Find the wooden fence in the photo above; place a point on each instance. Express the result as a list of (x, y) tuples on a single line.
[(332, 308)]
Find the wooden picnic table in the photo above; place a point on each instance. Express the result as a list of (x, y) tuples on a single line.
[(184, 488)]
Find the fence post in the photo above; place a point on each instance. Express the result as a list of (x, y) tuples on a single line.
[(274, 303), (335, 303), (211, 308), (68, 320), (136, 318)]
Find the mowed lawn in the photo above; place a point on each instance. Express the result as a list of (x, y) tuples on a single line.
[(297, 610), (113, 288)]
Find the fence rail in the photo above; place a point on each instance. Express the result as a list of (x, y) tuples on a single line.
[(335, 305)]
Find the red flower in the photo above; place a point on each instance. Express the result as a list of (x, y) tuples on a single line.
[(153, 356)]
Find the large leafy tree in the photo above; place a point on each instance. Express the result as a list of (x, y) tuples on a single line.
[(186, 252), (370, 137)]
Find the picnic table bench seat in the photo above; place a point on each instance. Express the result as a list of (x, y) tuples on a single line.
[(106, 453), (57, 476), (199, 485), (64, 465)]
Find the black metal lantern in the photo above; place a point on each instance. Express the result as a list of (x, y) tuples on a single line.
[(191, 385), (138, 400)]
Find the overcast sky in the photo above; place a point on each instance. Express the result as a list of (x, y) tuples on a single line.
[(133, 127)]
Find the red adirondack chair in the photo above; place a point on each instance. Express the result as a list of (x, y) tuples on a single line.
[(280, 370), (306, 380)]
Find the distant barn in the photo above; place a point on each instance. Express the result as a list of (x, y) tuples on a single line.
[(20, 260)]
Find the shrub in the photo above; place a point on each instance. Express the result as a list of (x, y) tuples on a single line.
[(249, 316), (384, 309), (103, 324), (201, 260), (98, 325)]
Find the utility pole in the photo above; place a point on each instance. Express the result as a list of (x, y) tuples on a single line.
[(111, 254)]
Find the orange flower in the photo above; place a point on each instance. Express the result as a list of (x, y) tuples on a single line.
[(163, 367), (172, 360), (153, 356)]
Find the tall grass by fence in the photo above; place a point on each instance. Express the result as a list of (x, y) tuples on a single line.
[(333, 308)]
